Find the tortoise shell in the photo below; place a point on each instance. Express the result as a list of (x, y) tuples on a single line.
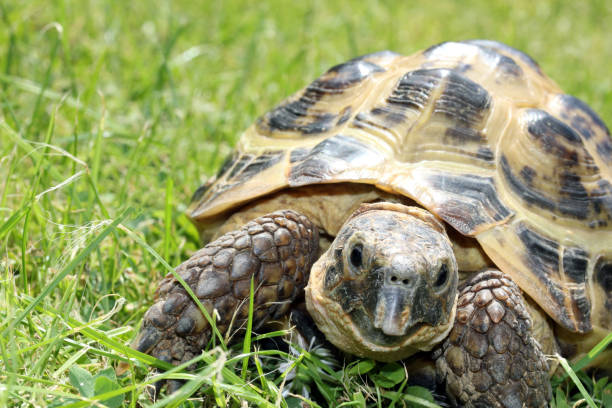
[(472, 131)]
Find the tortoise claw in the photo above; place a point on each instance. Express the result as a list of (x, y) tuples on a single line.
[(147, 339)]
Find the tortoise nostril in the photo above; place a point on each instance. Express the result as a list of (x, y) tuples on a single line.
[(398, 280)]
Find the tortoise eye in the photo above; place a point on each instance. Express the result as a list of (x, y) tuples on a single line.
[(356, 256), (442, 276)]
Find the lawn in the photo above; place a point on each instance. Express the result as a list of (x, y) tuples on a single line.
[(112, 113)]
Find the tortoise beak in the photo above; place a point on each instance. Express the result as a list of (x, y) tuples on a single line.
[(392, 314), (405, 300)]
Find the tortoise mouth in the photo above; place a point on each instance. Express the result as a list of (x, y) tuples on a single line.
[(363, 321)]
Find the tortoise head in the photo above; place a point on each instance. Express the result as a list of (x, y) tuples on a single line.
[(386, 287)]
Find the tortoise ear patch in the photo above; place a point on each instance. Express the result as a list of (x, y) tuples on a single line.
[(602, 274), (333, 276)]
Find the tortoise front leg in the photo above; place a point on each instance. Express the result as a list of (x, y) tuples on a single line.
[(490, 358), (276, 251)]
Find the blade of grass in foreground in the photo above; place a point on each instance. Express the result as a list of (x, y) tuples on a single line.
[(599, 347), (246, 347), (577, 382), (68, 268), (8, 225)]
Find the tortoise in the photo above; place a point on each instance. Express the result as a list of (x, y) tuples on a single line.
[(454, 201)]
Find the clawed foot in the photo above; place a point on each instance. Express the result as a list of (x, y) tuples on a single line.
[(275, 252)]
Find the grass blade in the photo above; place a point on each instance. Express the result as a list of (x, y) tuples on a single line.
[(576, 381), (70, 267), (599, 347), (246, 345)]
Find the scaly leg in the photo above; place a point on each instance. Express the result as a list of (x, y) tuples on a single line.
[(490, 358), (276, 251)]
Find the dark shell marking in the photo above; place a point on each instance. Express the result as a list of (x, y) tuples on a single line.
[(331, 157), (448, 100), (462, 101), (567, 187), (414, 88), (501, 49), (236, 170), (307, 115), (477, 197), (204, 188), (588, 124), (544, 256)]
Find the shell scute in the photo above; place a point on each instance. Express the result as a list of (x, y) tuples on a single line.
[(414, 88), (546, 128), (463, 101), (588, 124), (548, 166), (553, 264), (322, 106), (330, 158), (508, 52), (465, 201)]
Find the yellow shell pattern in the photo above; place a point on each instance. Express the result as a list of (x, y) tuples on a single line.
[(476, 134)]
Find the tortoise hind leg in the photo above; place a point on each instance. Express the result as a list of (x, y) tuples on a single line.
[(490, 358), (276, 251)]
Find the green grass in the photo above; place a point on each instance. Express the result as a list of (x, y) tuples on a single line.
[(113, 113)]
